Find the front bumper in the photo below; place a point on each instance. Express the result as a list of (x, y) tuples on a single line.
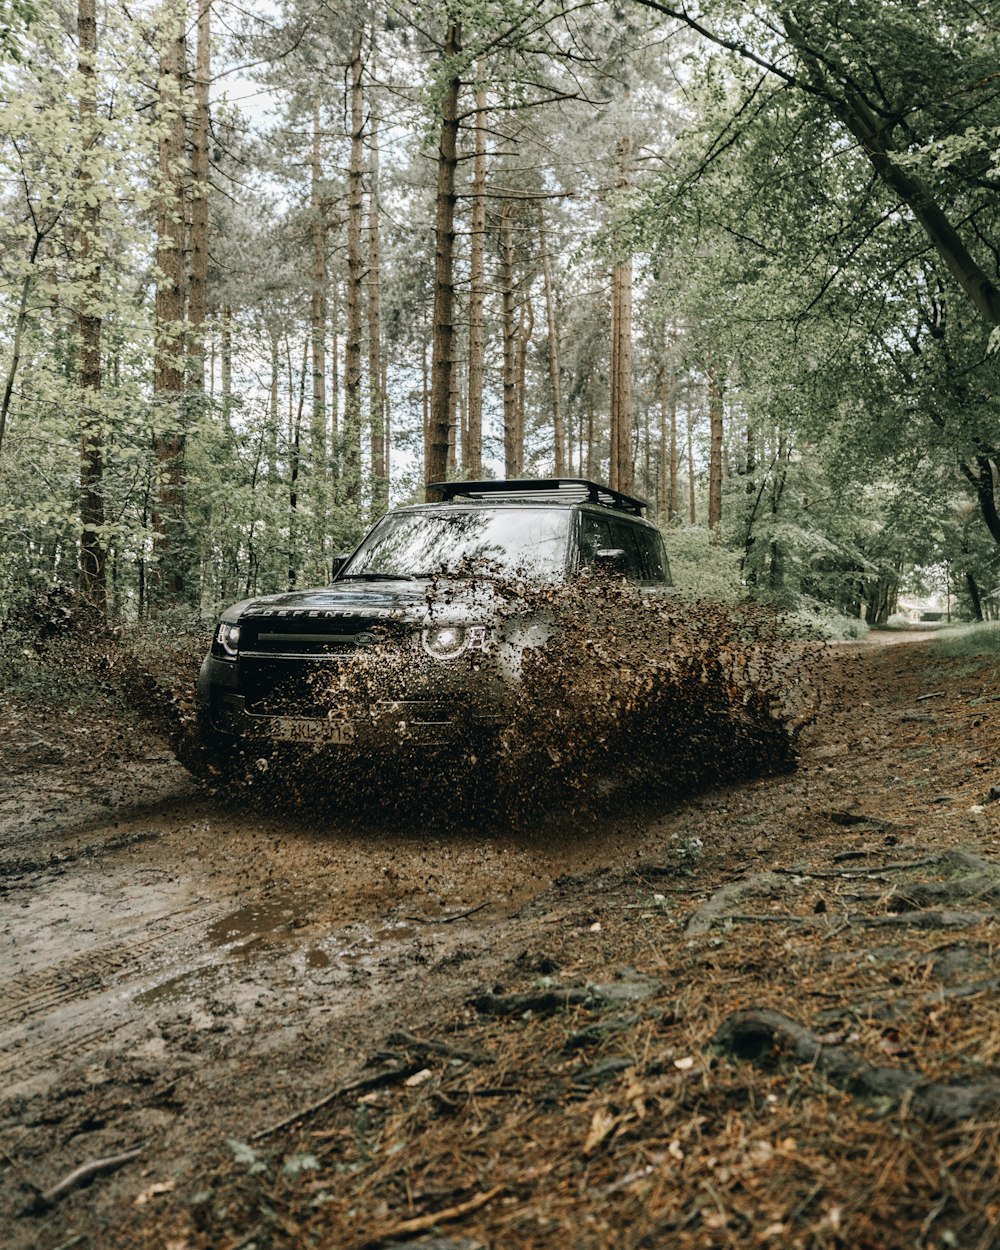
[(430, 704)]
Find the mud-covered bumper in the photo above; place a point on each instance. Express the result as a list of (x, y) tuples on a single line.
[(430, 708)]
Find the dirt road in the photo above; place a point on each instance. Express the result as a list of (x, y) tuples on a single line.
[(179, 971)]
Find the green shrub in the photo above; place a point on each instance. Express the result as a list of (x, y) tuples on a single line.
[(702, 567)]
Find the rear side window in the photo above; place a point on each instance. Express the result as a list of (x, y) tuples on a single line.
[(644, 560), (652, 554), (595, 535), (626, 537)]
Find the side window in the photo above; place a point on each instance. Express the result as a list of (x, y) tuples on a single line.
[(595, 535), (653, 556), (627, 537)]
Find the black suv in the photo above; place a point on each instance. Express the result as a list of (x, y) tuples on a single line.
[(412, 642)]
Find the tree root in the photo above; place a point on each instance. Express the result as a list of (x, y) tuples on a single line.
[(82, 1175), (762, 1035), (715, 907)]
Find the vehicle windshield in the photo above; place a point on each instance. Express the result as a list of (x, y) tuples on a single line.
[(488, 542)]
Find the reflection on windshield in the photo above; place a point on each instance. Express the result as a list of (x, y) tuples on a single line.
[(528, 542)]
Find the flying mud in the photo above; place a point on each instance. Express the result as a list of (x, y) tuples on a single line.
[(627, 698)]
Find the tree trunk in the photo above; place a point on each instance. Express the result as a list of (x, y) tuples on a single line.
[(590, 433), (558, 434), (425, 393), (453, 426), (19, 327), (198, 278), (523, 340), (870, 132), (983, 482), (295, 445), (974, 597), (273, 413), (509, 334), (317, 306), (472, 448), (621, 469), (692, 509), (226, 352), (442, 343), (334, 311), (355, 279), (380, 476), (93, 577), (169, 537), (715, 405)]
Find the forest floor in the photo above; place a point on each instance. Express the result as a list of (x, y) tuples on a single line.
[(764, 1015)]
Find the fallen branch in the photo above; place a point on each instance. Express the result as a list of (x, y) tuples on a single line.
[(897, 920), (80, 1176), (958, 857), (559, 998), (852, 819), (388, 1077), (871, 871), (459, 915), (926, 919), (919, 894), (421, 1223), (762, 1035), (710, 911), (401, 1040)]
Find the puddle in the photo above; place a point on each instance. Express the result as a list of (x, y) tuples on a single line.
[(255, 920), (173, 988), (394, 933)]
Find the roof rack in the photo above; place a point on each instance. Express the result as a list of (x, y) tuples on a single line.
[(550, 490)]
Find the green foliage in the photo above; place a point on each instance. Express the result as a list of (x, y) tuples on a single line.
[(980, 641), (702, 567), (16, 16)]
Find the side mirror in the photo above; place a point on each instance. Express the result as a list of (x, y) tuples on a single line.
[(336, 565)]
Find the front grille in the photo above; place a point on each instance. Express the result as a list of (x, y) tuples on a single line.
[(309, 636)]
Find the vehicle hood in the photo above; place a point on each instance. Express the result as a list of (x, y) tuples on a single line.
[(391, 601)]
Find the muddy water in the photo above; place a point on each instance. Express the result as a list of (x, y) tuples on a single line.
[(207, 921)]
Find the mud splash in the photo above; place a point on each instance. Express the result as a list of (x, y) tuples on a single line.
[(593, 694)]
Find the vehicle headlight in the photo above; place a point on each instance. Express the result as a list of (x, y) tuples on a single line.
[(227, 640), (448, 642)]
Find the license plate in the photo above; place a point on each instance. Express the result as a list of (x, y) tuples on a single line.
[(307, 729)]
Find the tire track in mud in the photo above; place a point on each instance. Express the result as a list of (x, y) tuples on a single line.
[(90, 973), (63, 1012)]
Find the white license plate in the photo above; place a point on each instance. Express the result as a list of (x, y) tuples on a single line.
[(307, 729)]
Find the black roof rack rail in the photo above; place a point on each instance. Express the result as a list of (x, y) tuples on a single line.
[(543, 489)]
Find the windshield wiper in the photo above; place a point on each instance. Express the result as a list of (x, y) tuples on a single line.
[(376, 577)]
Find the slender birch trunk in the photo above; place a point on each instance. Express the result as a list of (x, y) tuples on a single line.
[(169, 537), (442, 355), (198, 277), (93, 573), (473, 445), (355, 293), (621, 469), (558, 433), (525, 330), (376, 398), (715, 407), (317, 305), (472, 448), (509, 334)]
